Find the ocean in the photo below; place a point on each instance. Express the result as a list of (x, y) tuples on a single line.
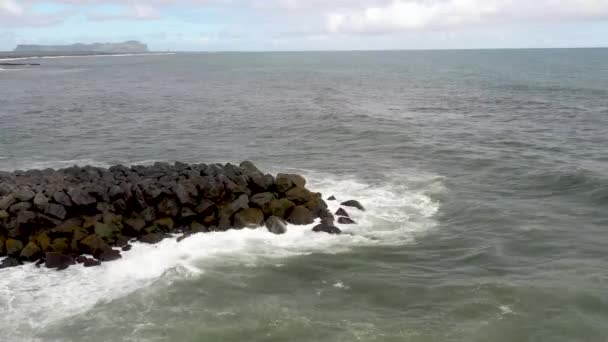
[(484, 174)]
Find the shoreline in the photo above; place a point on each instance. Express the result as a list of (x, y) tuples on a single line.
[(10, 56)]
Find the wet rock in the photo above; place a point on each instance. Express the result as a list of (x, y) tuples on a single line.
[(205, 206), (301, 216), (345, 220), (56, 210), (89, 262), (24, 194), (61, 245), (62, 198), (10, 262), (250, 217), (136, 224), (126, 248), (106, 231), (108, 255), (41, 201), (148, 214), (13, 247), (93, 244), (261, 200), (44, 241), (354, 204), (342, 212), (166, 223), (323, 228), (80, 197), (299, 195), (58, 260), (168, 207), (285, 182), (21, 206), (331, 198), (152, 238), (30, 252), (7, 201), (279, 207), (276, 225), (262, 182), (4, 215)]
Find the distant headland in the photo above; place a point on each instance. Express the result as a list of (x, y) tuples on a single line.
[(131, 46)]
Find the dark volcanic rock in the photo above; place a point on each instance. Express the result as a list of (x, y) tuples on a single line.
[(152, 238), (300, 216), (345, 220), (353, 203), (323, 228), (41, 201), (285, 182), (13, 247), (331, 198), (10, 262), (24, 194), (62, 198), (342, 212), (250, 217), (56, 210), (80, 197), (30, 252), (276, 225), (279, 207), (58, 260)]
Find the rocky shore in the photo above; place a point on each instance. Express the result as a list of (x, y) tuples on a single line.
[(89, 214)]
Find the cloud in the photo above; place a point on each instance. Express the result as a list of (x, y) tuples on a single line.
[(409, 15), (132, 12)]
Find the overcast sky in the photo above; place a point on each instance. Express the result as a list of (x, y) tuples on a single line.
[(202, 25)]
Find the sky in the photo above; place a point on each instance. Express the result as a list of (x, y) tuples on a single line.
[(286, 25)]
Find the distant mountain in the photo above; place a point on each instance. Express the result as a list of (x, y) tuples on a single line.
[(132, 46)]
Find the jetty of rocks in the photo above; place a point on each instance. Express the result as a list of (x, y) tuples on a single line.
[(62, 217)]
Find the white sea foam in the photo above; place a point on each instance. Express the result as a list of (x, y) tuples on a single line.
[(32, 298)]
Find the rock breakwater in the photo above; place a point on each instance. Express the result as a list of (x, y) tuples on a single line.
[(62, 217)]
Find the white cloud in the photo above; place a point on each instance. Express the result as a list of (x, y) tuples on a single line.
[(10, 7), (407, 15)]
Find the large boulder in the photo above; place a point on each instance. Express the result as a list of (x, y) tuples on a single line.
[(342, 212), (20, 206), (7, 201), (262, 200), (56, 210), (81, 197), (324, 228), (151, 238), (299, 195), (354, 204), (10, 262), (13, 247), (30, 252), (250, 217), (41, 201), (285, 182), (58, 260), (94, 244), (24, 194), (300, 215), (279, 207), (62, 198), (276, 225), (345, 220)]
